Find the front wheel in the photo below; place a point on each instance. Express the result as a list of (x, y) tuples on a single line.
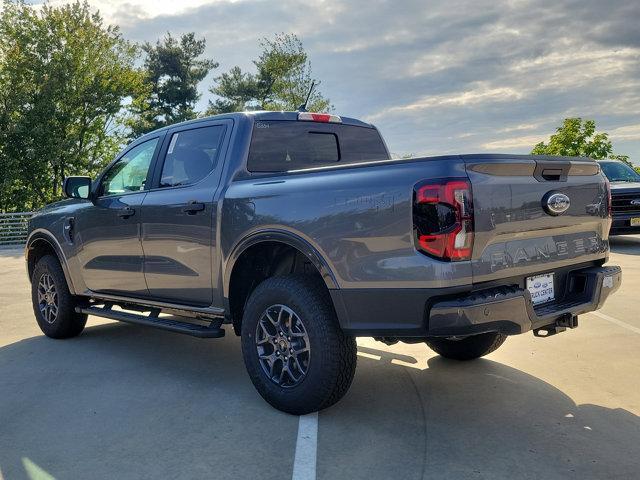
[(468, 348), (296, 355), (53, 304)]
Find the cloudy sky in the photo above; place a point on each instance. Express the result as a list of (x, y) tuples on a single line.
[(436, 76)]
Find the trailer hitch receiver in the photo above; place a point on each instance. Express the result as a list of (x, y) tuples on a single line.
[(567, 320)]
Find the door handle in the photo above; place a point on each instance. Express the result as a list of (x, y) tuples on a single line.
[(193, 207), (126, 212)]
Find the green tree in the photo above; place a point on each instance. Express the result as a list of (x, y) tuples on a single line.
[(281, 82), (578, 138), (63, 78), (173, 69)]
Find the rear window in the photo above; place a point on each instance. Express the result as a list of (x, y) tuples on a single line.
[(279, 146)]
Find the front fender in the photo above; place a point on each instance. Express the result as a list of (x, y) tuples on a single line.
[(42, 235)]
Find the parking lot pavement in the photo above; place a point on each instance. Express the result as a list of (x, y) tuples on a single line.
[(122, 401)]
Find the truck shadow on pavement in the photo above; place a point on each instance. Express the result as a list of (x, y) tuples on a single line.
[(479, 419), (122, 401)]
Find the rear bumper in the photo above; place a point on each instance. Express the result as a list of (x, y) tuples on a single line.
[(504, 309)]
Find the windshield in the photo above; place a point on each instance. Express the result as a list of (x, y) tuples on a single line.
[(619, 172)]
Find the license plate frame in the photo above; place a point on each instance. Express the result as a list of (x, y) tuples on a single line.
[(542, 288), (634, 221)]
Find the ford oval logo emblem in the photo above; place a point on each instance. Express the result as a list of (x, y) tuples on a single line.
[(556, 203)]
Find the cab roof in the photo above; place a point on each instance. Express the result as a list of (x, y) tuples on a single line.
[(256, 115)]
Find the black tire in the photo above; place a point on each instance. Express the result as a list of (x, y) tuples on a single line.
[(331, 363), (65, 322), (468, 348)]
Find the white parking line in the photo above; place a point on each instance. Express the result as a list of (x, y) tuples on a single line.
[(304, 463), (402, 363), (617, 322)]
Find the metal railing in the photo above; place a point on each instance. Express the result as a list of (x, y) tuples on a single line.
[(13, 228)]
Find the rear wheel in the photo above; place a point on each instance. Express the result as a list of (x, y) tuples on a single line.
[(468, 348), (296, 355), (53, 304)]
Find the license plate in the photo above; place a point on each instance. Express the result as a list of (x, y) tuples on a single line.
[(635, 222), (541, 288)]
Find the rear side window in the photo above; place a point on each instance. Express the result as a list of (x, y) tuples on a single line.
[(279, 146), (191, 156)]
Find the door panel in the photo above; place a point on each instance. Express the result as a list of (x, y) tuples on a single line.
[(179, 217), (178, 246), (111, 253), (111, 256)]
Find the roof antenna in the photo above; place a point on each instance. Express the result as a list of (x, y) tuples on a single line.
[(303, 107)]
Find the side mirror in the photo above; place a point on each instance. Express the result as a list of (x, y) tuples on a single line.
[(77, 187)]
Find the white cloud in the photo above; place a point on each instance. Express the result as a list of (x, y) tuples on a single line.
[(627, 132), (518, 128), (114, 10), (578, 66), (514, 143), (478, 95)]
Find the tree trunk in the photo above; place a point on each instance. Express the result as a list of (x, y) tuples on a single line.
[(54, 185)]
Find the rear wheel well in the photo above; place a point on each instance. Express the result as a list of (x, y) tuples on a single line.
[(256, 264)]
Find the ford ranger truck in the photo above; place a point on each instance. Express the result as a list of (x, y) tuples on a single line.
[(299, 231)]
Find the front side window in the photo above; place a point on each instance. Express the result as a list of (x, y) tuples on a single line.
[(129, 173), (191, 155)]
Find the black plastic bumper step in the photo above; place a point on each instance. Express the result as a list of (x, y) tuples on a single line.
[(200, 331)]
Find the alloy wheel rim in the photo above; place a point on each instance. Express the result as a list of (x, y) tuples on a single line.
[(283, 347), (47, 298)]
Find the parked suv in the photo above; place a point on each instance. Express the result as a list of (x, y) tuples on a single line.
[(299, 231)]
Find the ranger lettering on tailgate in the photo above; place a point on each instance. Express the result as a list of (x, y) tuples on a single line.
[(541, 250)]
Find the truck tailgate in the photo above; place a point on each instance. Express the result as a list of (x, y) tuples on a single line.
[(516, 233)]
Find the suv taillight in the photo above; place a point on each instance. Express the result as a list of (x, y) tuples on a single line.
[(443, 218)]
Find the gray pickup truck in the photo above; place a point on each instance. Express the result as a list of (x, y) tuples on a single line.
[(301, 232)]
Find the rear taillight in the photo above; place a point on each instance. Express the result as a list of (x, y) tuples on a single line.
[(443, 218), (609, 200)]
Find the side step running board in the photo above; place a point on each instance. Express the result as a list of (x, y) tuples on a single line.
[(201, 331)]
